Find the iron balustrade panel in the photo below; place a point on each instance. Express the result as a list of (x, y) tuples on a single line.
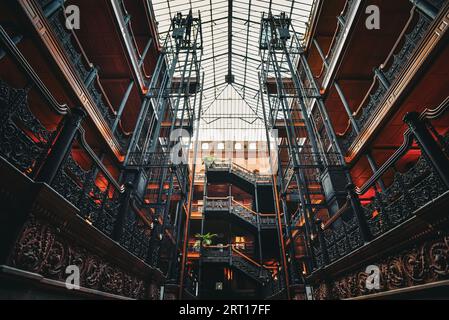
[(244, 214), (64, 36), (149, 160), (408, 192), (217, 205), (258, 273), (239, 171), (24, 141), (342, 237), (267, 222), (216, 254), (411, 41), (77, 185), (318, 255), (136, 237)]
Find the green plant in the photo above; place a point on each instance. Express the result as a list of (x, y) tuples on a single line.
[(204, 239)]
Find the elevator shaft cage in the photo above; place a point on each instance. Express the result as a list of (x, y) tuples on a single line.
[(158, 153), (311, 169)]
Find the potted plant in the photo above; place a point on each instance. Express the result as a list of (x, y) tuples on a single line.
[(204, 239)]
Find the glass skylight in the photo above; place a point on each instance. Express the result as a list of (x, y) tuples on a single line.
[(231, 111)]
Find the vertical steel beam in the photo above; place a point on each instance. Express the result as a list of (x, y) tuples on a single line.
[(122, 105), (276, 197), (190, 195)]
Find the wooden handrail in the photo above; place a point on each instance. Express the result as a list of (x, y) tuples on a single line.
[(217, 198), (216, 246), (140, 214), (336, 216), (407, 143), (269, 214), (248, 209), (248, 258), (103, 169), (11, 48)]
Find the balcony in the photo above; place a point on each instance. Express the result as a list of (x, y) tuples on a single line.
[(136, 55), (415, 197), (75, 192), (344, 24), (76, 68), (390, 81)]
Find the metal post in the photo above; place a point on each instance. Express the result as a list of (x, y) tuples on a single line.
[(123, 212), (354, 124), (276, 197), (52, 7), (259, 237), (322, 241), (91, 77), (145, 51), (425, 7), (189, 201), (382, 78), (122, 105), (16, 40), (429, 146), (357, 209), (61, 146)]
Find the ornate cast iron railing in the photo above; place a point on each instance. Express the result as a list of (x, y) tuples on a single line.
[(420, 184), (91, 189), (81, 186), (85, 70), (24, 140), (229, 254), (396, 62)]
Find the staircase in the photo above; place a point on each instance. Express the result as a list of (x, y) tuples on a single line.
[(228, 205), (225, 171), (230, 255)]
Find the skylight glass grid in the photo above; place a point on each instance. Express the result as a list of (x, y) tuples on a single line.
[(242, 53)]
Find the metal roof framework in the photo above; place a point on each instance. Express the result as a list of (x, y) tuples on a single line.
[(230, 58)]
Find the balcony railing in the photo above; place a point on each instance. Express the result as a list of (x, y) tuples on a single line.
[(85, 70), (124, 21), (396, 62), (358, 223), (80, 186), (344, 23), (60, 157), (230, 254)]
